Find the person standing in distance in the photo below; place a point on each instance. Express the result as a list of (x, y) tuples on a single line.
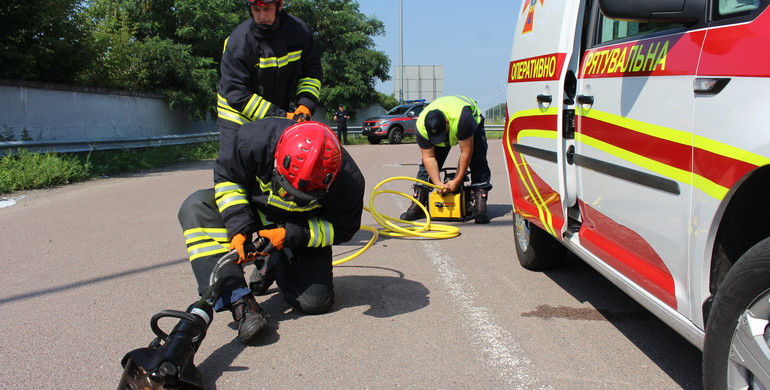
[(341, 116), (270, 67)]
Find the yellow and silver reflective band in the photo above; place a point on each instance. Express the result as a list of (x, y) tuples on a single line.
[(203, 242), (256, 108), (224, 111), (309, 85), (321, 232), (276, 201), (273, 62), (228, 194)]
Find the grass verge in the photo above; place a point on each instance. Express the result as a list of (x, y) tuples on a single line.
[(25, 170)]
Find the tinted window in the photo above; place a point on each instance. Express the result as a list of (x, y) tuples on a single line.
[(398, 110), (614, 30), (728, 8), (417, 110)]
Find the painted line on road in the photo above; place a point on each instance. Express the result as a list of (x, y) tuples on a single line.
[(497, 344)]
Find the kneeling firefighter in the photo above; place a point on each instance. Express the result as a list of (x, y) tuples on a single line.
[(291, 183), (449, 121)]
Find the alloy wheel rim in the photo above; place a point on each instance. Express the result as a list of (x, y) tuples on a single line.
[(749, 351)]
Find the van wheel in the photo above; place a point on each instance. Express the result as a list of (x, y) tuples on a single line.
[(396, 135), (374, 140), (535, 248), (735, 350)]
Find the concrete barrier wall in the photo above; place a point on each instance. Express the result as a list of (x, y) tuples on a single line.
[(41, 111), (31, 111)]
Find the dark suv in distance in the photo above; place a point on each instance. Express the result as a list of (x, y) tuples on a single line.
[(399, 122)]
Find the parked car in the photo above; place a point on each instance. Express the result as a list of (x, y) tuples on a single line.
[(399, 122)]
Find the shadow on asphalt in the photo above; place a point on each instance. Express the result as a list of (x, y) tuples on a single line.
[(87, 282), (666, 348), (385, 296)]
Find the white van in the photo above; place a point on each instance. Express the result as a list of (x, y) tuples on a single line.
[(636, 138)]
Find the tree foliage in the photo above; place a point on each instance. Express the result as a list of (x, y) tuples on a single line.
[(43, 42), (351, 65), (173, 47)]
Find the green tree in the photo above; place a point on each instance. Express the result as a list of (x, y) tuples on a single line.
[(46, 41), (351, 65), (134, 59)]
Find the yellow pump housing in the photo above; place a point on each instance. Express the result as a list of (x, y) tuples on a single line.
[(447, 206)]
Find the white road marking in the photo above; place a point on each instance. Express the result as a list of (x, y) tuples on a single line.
[(497, 345), (7, 202)]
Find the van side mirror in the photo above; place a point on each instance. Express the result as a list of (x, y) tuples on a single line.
[(656, 11)]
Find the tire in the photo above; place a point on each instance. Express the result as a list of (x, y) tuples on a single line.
[(396, 135), (535, 248), (374, 140), (735, 349)]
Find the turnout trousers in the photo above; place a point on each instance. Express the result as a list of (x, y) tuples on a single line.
[(304, 275)]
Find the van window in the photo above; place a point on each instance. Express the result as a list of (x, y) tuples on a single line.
[(727, 8), (614, 30)]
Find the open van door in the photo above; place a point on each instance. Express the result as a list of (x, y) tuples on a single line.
[(540, 103)]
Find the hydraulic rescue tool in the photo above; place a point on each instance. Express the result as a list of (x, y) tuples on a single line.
[(456, 206), (167, 363)]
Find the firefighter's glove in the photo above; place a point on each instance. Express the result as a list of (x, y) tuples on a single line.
[(302, 114), (238, 242), (276, 236)]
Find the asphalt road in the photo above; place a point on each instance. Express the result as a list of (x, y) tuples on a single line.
[(85, 266)]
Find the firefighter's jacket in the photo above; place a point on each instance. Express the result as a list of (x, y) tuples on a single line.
[(243, 192), (268, 72)]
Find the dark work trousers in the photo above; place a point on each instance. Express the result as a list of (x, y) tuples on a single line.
[(479, 166), (304, 275), (342, 132)]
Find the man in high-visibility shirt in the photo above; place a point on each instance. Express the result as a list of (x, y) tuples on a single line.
[(291, 183), (449, 121), (270, 67)]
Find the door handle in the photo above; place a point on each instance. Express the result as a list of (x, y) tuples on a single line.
[(544, 99), (585, 99)]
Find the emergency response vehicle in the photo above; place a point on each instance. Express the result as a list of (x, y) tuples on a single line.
[(394, 125), (636, 139)]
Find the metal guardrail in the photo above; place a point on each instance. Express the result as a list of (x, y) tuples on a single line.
[(82, 145)]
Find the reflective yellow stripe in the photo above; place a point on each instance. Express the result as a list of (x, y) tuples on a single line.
[(523, 170), (272, 62), (309, 85), (229, 194), (224, 111), (203, 242), (321, 233), (206, 249), (712, 189), (198, 234)]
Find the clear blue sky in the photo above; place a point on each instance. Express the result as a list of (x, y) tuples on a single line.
[(471, 39)]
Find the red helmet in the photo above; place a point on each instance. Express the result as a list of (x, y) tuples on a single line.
[(308, 158)]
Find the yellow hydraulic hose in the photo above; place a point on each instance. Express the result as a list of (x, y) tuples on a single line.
[(419, 229)]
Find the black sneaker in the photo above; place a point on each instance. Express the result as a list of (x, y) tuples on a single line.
[(250, 317)]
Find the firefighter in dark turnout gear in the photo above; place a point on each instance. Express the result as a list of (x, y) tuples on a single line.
[(291, 183), (449, 121), (270, 67)]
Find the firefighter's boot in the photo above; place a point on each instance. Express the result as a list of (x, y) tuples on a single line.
[(250, 317), (414, 212), (481, 205)]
